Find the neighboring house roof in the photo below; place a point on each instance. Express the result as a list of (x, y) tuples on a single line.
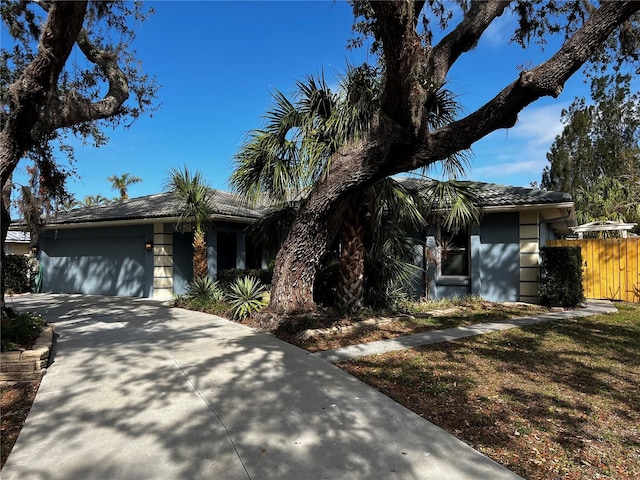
[(18, 237), (225, 205), (604, 226)]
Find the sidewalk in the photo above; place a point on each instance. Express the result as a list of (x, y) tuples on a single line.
[(594, 307), (137, 390)]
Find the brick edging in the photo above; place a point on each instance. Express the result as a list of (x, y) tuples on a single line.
[(27, 365)]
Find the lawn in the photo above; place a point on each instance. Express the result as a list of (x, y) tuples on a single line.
[(555, 400)]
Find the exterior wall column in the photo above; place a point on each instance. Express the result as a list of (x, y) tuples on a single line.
[(529, 257), (162, 263)]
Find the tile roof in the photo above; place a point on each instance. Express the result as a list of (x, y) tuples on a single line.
[(18, 237), (159, 205), (227, 204), (494, 195)]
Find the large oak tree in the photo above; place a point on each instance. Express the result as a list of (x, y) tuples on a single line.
[(48, 94), (400, 138)]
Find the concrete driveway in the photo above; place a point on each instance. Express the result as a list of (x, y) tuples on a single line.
[(137, 390)]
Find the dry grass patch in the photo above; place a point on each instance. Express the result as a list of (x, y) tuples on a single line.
[(555, 400), (417, 318)]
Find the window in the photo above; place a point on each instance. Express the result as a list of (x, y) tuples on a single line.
[(454, 253), (227, 250)]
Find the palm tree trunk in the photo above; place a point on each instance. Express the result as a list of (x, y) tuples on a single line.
[(199, 255), (351, 268)]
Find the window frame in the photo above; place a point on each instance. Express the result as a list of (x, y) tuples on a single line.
[(442, 233)]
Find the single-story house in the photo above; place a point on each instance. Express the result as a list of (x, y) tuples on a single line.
[(132, 247)]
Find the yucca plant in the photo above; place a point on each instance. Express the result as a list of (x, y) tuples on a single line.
[(246, 296), (204, 287)]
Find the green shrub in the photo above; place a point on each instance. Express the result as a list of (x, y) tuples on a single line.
[(20, 329), (203, 304), (561, 276), (16, 274), (226, 278), (206, 288), (246, 296)]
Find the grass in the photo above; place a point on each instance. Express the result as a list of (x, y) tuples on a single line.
[(555, 400)]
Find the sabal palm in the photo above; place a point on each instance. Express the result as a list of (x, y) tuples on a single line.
[(121, 183), (192, 193), (295, 148)]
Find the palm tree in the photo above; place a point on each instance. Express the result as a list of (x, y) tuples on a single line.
[(295, 148), (192, 192), (121, 183), (93, 200), (68, 204)]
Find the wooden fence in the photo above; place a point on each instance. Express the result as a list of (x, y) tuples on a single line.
[(611, 267)]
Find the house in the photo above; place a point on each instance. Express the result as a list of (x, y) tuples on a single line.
[(17, 243), (497, 259), (132, 247)]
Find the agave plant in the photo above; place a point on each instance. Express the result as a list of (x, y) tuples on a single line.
[(204, 287), (246, 296)]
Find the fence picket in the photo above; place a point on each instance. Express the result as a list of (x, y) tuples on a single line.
[(611, 267)]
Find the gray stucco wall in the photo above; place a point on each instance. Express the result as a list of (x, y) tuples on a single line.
[(499, 258), (494, 262), (100, 261)]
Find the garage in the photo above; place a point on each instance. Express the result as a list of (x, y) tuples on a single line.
[(97, 261)]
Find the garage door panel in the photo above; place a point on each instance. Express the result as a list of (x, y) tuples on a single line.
[(110, 266)]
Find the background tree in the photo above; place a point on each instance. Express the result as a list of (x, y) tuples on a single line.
[(93, 200), (192, 193), (121, 183), (415, 67), (597, 156), (46, 97)]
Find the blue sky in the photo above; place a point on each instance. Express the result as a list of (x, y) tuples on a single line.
[(218, 62)]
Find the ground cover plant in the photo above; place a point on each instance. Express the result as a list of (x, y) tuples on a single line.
[(550, 401), (19, 332)]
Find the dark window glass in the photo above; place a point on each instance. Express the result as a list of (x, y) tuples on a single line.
[(227, 250), (455, 254), (254, 256)]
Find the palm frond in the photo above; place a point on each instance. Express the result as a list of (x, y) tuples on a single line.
[(192, 192), (455, 203)]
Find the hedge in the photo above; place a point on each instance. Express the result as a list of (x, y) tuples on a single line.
[(561, 276), (16, 274)]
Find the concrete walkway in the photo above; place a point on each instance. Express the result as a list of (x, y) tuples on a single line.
[(594, 307), (136, 390)]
